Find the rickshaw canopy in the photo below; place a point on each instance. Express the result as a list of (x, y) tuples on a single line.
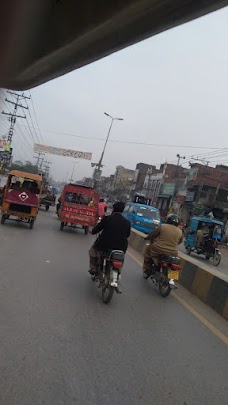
[(25, 175), (207, 220)]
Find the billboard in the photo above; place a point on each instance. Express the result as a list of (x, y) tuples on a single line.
[(52, 150), (167, 189)]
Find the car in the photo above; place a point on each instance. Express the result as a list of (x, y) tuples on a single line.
[(143, 217)]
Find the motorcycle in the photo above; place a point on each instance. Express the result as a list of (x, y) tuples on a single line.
[(108, 274), (210, 249), (165, 274)]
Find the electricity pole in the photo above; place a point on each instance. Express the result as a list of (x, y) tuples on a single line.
[(6, 156), (13, 116), (40, 159)]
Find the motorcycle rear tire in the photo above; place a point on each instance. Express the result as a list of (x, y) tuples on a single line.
[(216, 259), (107, 293), (164, 292)]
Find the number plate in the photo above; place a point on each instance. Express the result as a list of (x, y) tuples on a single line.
[(173, 274)]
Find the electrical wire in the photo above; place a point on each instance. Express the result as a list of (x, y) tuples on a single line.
[(36, 118), (35, 133)]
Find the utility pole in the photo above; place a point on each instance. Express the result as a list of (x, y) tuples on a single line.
[(204, 173), (40, 158), (13, 116)]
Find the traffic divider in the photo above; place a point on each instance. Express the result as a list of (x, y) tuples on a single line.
[(207, 284)]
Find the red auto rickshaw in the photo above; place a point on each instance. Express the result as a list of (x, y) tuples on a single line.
[(79, 207), (21, 197)]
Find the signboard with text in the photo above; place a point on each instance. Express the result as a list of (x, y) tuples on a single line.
[(168, 189), (52, 150)]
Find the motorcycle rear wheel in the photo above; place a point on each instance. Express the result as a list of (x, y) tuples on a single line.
[(216, 259), (164, 289), (107, 293)]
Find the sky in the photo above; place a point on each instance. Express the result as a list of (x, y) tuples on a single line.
[(171, 89)]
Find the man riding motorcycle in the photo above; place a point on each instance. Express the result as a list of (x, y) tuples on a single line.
[(115, 232), (164, 241)]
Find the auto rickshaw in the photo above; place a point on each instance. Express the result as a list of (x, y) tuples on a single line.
[(21, 197), (78, 207), (203, 237)]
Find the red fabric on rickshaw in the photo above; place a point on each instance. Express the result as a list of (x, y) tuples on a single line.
[(22, 197)]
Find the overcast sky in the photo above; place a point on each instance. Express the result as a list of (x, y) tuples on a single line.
[(171, 89)]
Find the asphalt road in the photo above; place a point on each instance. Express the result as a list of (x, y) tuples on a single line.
[(59, 344)]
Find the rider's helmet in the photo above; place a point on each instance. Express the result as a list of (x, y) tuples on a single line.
[(118, 206), (172, 219)]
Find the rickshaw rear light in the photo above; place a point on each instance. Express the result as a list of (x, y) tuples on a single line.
[(176, 267), (117, 264)]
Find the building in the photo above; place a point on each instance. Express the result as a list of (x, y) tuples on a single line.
[(122, 183), (207, 190), (141, 172)]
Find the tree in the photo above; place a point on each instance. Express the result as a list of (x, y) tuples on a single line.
[(25, 167)]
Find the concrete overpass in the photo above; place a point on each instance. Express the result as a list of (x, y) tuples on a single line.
[(44, 39)]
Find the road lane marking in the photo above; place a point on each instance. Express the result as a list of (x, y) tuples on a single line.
[(185, 304)]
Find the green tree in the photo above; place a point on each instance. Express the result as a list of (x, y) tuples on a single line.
[(24, 167)]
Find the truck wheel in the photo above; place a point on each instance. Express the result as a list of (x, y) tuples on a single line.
[(3, 219), (47, 207), (31, 225), (61, 226)]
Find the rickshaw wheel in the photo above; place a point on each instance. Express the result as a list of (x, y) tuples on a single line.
[(61, 226), (47, 207), (31, 225), (3, 219), (86, 229), (188, 250)]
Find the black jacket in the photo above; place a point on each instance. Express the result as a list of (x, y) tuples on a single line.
[(115, 231)]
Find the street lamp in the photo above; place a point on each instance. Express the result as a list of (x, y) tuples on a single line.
[(74, 163), (112, 120), (99, 165)]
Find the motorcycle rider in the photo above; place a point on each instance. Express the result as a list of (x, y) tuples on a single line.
[(164, 241), (115, 232)]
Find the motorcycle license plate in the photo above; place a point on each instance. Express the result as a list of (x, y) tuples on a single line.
[(173, 274)]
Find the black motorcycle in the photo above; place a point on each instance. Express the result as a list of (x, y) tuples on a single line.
[(108, 274), (165, 274)]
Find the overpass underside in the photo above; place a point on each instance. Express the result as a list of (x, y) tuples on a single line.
[(44, 39)]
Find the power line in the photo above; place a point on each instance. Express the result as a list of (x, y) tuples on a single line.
[(36, 118), (35, 133), (133, 142), (23, 143)]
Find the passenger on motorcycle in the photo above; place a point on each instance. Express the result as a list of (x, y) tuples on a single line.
[(164, 241), (115, 232)]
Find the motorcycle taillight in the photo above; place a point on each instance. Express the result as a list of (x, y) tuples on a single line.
[(164, 264), (117, 264), (175, 267)]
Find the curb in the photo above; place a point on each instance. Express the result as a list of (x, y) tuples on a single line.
[(210, 288)]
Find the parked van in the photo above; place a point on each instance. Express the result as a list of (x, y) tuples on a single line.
[(144, 218)]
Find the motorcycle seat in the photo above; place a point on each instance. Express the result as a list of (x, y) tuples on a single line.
[(115, 255)]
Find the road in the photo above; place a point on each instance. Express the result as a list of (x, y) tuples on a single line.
[(61, 345)]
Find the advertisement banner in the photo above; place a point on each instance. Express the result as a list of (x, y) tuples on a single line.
[(168, 189), (52, 150)]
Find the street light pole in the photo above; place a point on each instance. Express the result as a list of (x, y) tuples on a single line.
[(74, 163), (99, 165)]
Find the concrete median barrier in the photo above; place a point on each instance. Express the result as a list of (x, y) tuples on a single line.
[(209, 285)]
